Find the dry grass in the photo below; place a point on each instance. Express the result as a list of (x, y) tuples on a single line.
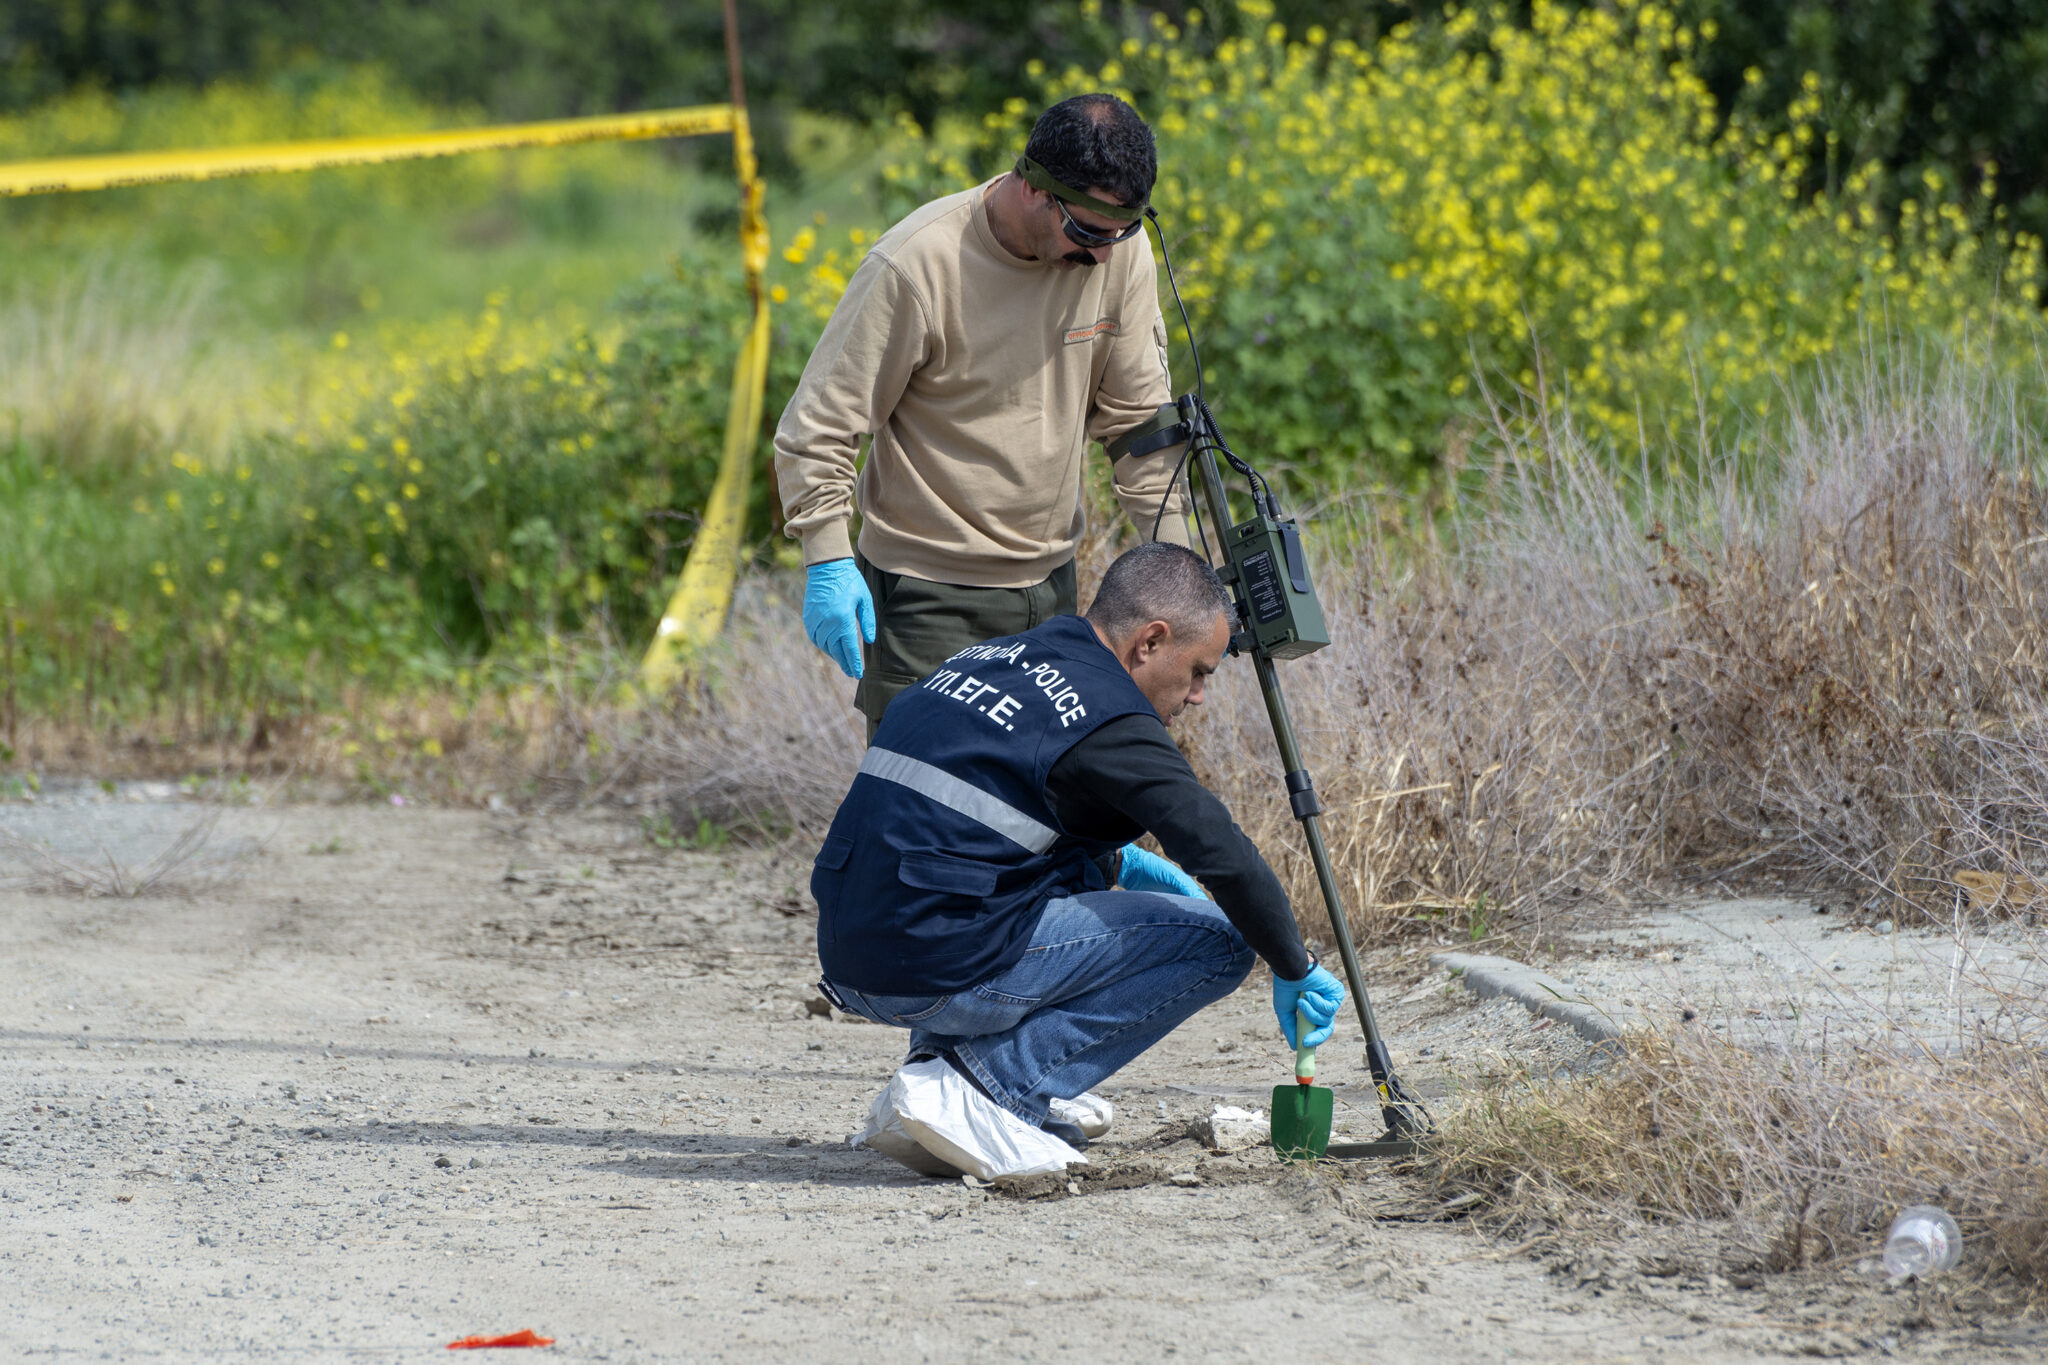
[(545, 738), (1805, 1156), (1830, 669), (1468, 763), (1834, 670), (1861, 656), (764, 738), (189, 862), (1573, 688)]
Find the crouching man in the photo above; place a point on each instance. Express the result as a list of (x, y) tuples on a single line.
[(964, 889)]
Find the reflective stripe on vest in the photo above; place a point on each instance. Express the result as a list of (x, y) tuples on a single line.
[(950, 792)]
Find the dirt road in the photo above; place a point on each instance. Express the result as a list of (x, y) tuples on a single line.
[(408, 1075)]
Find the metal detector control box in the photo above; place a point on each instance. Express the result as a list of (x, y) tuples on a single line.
[(1285, 620)]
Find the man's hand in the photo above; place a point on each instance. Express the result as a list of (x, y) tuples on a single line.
[(1144, 871), (1318, 995), (838, 613)]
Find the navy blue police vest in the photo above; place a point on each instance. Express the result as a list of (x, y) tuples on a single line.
[(945, 851)]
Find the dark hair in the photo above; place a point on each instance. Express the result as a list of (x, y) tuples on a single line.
[(1160, 582), (1096, 141)]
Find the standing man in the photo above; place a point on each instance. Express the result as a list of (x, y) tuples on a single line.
[(983, 343)]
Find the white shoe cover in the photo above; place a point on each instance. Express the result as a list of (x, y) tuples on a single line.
[(1089, 1112), (948, 1119), (883, 1132)]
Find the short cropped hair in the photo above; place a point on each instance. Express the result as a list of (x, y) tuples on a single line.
[(1160, 582), (1096, 141)]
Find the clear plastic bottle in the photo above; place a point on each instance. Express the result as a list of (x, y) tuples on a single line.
[(1923, 1240)]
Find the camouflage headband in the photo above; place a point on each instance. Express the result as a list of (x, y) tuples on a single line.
[(1039, 178)]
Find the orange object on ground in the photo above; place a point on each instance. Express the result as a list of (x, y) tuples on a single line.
[(523, 1337)]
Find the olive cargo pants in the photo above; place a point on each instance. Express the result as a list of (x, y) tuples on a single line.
[(920, 625)]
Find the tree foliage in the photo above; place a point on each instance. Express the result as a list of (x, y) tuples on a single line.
[(1912, 84)]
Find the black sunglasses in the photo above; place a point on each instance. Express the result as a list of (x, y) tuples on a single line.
[(1081, 236)]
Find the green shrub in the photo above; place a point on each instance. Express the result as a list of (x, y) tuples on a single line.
[(519, 495), (500, 489)]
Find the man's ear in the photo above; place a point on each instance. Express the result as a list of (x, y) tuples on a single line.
[(1155, 636)]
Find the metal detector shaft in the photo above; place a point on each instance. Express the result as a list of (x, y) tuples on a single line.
[(1311, 828), (1404, 1116)]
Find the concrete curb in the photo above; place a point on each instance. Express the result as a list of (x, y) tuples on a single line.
[(1541, 993)]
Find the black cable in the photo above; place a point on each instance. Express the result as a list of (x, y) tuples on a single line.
[(1187, 326), (1262, 492), (1195, 503), (1195, 351), (1179, 465)]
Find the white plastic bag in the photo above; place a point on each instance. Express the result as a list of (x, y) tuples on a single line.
[(949, 1121)]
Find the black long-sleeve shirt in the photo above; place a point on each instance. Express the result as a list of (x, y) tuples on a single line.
[(1127, 779)]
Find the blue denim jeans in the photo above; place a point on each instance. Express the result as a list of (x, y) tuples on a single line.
[(1107, 975)]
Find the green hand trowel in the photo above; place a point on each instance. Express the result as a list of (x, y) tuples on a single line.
[(1302, 1112)]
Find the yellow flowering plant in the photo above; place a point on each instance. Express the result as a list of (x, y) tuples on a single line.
[(1553, 211)]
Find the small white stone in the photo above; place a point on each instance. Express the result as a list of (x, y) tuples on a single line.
[(1229, 1129)]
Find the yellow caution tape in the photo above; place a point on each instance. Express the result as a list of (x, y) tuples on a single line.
[(63, 174), (753, 227), (697, 609), (696, 612)]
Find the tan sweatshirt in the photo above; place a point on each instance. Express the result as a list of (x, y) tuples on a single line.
[(982, 378)]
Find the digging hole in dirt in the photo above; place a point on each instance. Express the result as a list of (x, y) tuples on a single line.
[(1102, 1175), (1359, 1189)]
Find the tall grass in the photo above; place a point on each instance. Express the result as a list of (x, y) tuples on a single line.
[(113, 360), (1827, 662), (763, 737), (182, 316), (282, 450)]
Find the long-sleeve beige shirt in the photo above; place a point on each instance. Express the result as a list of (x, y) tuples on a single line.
[(982, 378)]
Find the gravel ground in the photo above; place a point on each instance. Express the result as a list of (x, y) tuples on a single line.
[(382, 1078), (1795, 972)]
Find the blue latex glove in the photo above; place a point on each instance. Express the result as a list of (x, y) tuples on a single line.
[(1144, 871), (838, 613), (1318, 995)]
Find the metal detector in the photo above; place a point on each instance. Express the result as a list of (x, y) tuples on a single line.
[(1278, 617)]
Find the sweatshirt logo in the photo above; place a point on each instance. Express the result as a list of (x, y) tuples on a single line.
[(1106, 327)]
